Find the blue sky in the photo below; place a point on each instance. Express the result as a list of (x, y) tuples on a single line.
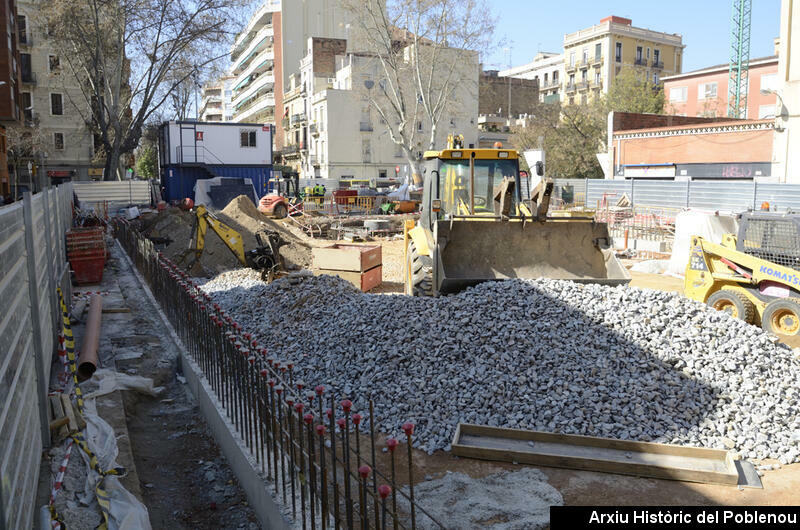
[(534, 25)]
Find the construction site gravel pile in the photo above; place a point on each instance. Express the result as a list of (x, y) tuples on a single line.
[(548, 355)]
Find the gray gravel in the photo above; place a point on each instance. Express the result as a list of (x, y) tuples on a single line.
[(549, 355)]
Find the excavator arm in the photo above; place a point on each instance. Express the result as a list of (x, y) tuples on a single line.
[(232, 239)]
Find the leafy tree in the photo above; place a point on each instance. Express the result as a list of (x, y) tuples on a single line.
[(146, 162), (632, 91), (570, 136)]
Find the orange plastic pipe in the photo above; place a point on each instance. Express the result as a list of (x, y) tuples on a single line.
[(87, 362)]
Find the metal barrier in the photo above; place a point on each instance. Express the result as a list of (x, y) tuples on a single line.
[(289, 426), (32, 266), (336, 206)]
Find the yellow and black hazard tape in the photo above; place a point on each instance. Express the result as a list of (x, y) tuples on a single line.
[(69, 343)]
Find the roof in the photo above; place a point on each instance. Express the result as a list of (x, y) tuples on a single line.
[(720, 68)]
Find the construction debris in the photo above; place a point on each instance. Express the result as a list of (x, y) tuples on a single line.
[(546, 355)]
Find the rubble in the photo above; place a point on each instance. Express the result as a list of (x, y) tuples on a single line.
[(548, 355)]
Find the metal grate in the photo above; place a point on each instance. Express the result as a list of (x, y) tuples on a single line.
[(774, 240)]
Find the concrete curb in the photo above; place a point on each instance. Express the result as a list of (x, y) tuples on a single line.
[(269, 513)]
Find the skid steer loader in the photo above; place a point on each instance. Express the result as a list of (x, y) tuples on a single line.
[(475, 226), (754, 276)]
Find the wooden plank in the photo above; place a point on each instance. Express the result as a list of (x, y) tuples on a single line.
[(73, 423), (646, 459), (58, 413), (364, 280)]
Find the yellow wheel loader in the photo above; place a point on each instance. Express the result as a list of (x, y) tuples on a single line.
[(754, 276), (474, 226), (266, 258)]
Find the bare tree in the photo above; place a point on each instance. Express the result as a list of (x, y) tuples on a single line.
[(125, 55), (425, 62), (25, 143)]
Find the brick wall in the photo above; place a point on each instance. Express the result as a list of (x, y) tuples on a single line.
[(324, 52), (629, 121), (9, 103), (493, 95)]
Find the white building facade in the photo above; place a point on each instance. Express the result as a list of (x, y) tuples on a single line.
[(216, 100), (548, 69)]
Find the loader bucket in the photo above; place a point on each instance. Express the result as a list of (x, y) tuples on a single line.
[(470, 251)]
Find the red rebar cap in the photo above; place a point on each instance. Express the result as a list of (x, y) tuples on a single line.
[(384, 490), (298, 406), (310, 397), (408, 428), (271, 383), (278, 389), (328, 412), (248, 336), (319, 389), (290, 365), (347, 405), (391, 443), (264, 372), (340, 423), (251, 360), (300, 385), (308, 418), (290, 400), (357, 418), (321, 430), (254, 344), (364, 471)]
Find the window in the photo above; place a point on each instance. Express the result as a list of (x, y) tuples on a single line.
[(655, 78), (638, 55), (25, 66), (22, 26), (678, 94), (657, 56), (571, 79), (248, 138), (648, 53), (585, 55), (766, 111), (27, 105), (572, 59), (598, 51), (618, 52), (597, 77), (555, 76), (419, 126), (56, 104), (58, 141), (768, 81), (706, 91), (584, 75), (54, 63), (545, 79)]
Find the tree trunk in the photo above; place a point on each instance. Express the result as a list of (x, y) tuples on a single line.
[(112, 164)]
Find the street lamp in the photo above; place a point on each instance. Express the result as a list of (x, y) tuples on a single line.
[(784, 111)]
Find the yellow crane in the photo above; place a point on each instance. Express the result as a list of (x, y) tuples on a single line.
[(265, 258)]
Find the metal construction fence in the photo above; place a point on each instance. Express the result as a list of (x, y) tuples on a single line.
[(32, 266), (318, 452), (708, 195)]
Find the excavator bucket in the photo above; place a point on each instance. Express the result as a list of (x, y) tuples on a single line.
[(470, 251)]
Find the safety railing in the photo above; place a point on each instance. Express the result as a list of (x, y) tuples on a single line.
[(313, 447)]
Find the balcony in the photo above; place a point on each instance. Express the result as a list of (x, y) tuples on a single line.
[(597, 59), (597, 83), (314, 160), (658, 64), (365, 126), (291, 151), (262, 106), (285, 124), (570, 87), (570, 67), (299, 119), (583, 85), (584, 63), (640, 62), (555, 83), (314, 129)]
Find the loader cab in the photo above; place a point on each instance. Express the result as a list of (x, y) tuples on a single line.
[(463, 182)]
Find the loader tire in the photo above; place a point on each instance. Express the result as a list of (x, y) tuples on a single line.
[(782, 317), (734, 303), (419, 270), (280, 211)]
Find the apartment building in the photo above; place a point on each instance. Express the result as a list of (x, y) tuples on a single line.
[(331, 129), (216, 100), (9, 84), (595, 55), (547, 68), (268, 51), (49, 98), (704, 92)]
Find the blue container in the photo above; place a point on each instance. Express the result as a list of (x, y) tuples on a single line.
[(179, 180)]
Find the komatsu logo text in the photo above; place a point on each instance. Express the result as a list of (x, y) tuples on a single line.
[(788, 278)]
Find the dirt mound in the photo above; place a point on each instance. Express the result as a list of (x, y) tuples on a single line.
[(241, 215), (241, 210)]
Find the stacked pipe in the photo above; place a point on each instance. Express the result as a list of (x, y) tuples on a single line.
[(305, 439)]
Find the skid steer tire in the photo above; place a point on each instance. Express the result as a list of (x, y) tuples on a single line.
[(782, 317), (419, 271), (280, 211), (734, 303)]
